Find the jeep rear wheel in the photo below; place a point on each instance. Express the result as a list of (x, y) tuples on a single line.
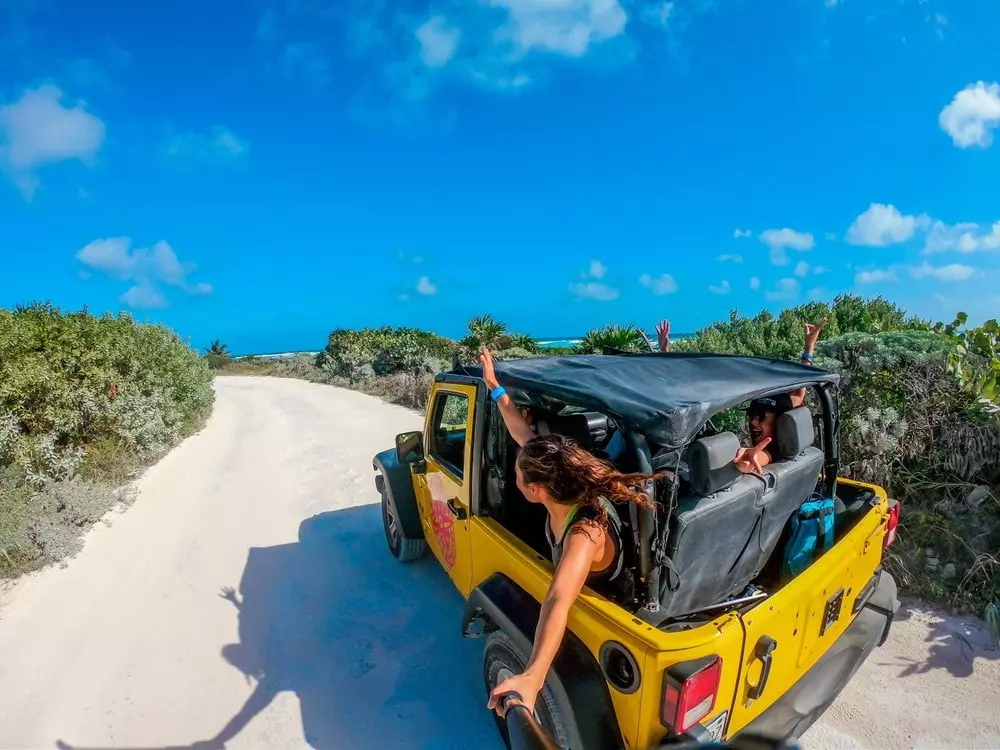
[(503, 659), (402, 547)]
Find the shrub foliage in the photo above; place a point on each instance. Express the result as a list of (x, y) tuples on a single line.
[(83, 397)]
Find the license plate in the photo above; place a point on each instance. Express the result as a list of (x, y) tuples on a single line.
[(717, 726)]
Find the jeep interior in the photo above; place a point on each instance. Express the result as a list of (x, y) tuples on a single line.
[(721, 531)]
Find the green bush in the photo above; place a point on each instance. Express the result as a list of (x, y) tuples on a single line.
[(85, 395), (780, 337)]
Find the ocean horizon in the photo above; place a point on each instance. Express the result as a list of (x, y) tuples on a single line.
[(554, 342)]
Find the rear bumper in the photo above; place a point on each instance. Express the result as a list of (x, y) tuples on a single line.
[(817, 689)]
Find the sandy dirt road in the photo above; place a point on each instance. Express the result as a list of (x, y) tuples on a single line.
[(247, 599)]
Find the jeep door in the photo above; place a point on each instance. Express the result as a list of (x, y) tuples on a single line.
[(444, 491)]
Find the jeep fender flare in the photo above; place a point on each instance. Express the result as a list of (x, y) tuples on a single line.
[(396, 483), (576, 680)]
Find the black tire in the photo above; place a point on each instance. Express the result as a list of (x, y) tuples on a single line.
[(402, 547), (502, 656)]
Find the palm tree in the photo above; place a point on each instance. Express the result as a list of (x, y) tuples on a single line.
[(485, 330), (218, 349), (627, 338)]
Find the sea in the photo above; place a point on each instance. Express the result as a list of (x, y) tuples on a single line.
[(543, 343), (561, 343)]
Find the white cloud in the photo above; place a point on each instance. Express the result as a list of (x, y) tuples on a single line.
[(595, 290), (438, 41), (882, 225), (952, 272), (731, 258), (723, 288), (597, 270), (875, 277), (663, 284), (425, 287), (37, 130), (146, 268), (787, 290), (782, 240), (972, 115), (820, 270), (831, 236), (111, 255), (962, 238), (754, 284), (567, 27), (218, 145), (801, 268), (144, 297), (741, 233)]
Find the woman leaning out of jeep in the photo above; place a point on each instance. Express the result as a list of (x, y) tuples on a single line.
[(582, 528)]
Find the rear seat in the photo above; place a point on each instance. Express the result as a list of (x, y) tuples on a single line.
[(791, 479), (711, 529), (724, 533)]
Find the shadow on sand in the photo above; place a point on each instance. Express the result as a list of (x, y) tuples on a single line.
[(372, 649), (954, 642)]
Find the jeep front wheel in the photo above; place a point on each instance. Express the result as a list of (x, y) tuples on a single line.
[(503, 659), (402, 547)]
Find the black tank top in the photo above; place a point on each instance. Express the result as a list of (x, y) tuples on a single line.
[(603, 581)]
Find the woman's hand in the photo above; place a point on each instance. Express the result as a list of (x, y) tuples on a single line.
[(663, 335), (748, 460), (489, 374), (525, 685)]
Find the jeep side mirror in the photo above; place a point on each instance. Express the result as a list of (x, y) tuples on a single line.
[(410, 448)]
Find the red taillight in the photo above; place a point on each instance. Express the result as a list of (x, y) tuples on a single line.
[(689, 692), (892, 524)]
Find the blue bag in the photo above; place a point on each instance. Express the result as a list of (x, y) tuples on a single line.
[(812, 522)]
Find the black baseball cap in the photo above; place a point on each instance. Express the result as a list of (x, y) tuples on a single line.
[(778, 404)]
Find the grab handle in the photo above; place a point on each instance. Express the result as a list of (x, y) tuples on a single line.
[(763, 650)]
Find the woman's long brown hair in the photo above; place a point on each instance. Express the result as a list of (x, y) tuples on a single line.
[(572, 475)]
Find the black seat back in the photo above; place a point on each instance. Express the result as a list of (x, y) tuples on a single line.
[(791, 478), (711, 529)]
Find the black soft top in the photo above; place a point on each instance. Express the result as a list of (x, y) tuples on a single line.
[(666, 397)]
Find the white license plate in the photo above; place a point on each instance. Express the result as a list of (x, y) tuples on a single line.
[(717, 726)]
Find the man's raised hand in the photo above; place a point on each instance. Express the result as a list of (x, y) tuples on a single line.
[(748, 459), (813, 331)]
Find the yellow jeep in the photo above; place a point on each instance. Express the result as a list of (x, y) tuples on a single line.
[(719, 638)]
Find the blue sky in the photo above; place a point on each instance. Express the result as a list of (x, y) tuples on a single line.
[(265, 172)]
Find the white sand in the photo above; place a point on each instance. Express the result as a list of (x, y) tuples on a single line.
[(138, 642)]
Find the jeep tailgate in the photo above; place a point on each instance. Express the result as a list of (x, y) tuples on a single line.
[(790, 632)]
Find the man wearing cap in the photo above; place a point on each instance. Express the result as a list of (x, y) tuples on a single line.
[(762, 418)]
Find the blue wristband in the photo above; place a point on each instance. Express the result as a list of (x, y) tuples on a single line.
[(807, 357), (497, 393)]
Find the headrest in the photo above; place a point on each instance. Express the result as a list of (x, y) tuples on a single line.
[(711, 463), (575, 426), (794, 432), (596, 421)]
